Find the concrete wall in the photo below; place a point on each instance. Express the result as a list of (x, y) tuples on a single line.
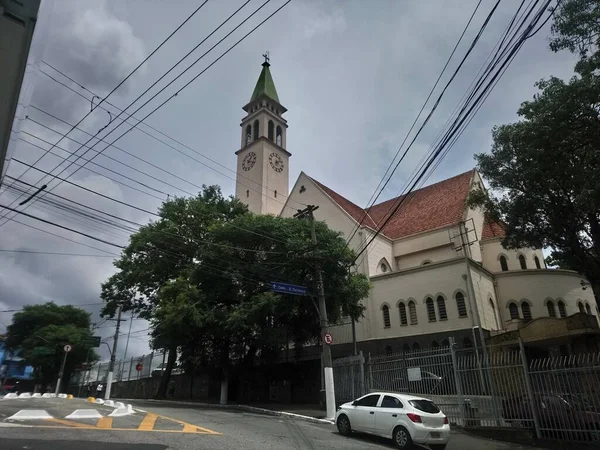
[(416, 259), (483, 286), (492, 249), (416, 284), (537, 286)]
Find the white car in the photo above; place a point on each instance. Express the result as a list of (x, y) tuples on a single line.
[(405, 419)]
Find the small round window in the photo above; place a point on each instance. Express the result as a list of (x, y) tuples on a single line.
[(384, 268)]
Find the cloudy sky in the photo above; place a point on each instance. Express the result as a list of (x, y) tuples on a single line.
[(353, 75)]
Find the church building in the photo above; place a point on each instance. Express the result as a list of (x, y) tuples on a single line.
[(437, 268)]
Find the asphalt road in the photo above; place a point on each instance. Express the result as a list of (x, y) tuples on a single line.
[(157, 426)]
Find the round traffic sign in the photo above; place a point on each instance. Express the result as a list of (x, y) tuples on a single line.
[(67, 348), (139, 367), (328, 338)]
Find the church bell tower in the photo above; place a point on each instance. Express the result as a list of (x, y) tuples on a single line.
[(262, 180)]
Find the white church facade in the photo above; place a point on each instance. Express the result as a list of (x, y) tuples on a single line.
[(437, 269)]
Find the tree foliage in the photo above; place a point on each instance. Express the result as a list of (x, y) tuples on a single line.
[(201, 274), (576, 28), (41, 331), (546, 171)]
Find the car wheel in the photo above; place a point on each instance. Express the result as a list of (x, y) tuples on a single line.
[(343, 425), (437, 446), (402, 438)]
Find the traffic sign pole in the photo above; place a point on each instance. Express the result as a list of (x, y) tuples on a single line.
[(67, 349)]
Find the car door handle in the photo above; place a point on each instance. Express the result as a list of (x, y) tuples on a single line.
[(372, 412), (394, 415)]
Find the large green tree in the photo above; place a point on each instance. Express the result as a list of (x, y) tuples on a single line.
[(204, 282), (41, 331), (545, 172)]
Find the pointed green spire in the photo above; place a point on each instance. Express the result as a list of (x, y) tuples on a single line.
[(265, 85)]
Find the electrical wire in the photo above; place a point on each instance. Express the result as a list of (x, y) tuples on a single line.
[(188, 18), (52, 253), (459, 121), (238, 175), (161, 90)]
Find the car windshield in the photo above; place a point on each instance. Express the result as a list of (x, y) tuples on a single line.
[(425, 406)]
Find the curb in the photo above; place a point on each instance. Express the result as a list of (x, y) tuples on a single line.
[(253, 409)]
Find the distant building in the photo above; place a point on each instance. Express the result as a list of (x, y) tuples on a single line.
[(13, 367), (437, 269)]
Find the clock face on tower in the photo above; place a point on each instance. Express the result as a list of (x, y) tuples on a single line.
[(276, 162), (249, 161)]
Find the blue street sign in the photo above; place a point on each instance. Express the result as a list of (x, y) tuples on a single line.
[(285, 288)]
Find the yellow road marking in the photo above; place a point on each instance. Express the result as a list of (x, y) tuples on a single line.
[(91, 428), (70, 423), (189, 428), (104, 422), (148, 422)]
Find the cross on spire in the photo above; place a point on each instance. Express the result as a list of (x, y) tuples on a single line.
[(266, 55)]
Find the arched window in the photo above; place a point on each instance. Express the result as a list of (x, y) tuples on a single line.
[(388, 350), (275, 194), (247, 193), (514, 310), (271, 131), (248, 134), (467, 343), (255, 130), (430, 309), (551, 309), (581, 307), (424, 263), (412, 312), (526, 310), (435, 344), (279, 136), (445, 343), (441, 303), (503, 263), (403, 318), (416, 346), (588, 309), (406, 348), (386, 316), (522, 262), (537, 262), (562, 309), (460, 304)]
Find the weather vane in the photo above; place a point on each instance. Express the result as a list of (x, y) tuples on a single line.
[(266, 56)]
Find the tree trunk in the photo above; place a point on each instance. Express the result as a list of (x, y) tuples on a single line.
[(166, 376), (192, 377)]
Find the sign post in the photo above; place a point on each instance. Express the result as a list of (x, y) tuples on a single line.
[(67, 348)]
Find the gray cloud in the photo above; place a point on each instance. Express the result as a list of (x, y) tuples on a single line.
[(353, 77)]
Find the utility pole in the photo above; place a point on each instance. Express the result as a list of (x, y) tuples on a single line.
[(326, 361), (111, 366)]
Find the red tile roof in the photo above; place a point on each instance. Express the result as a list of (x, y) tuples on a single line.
[(492, 229), (431, 207)]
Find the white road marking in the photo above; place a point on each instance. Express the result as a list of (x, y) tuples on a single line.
[(31, 414), (84, 414)]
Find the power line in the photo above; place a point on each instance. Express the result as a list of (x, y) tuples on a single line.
[(130, 75), (53, 253), (373, 200), (457, 124), (161, 90), (156, 138)]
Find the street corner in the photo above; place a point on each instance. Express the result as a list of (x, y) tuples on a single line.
[(81, 414)]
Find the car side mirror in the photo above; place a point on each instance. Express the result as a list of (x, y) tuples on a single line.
[(355, 402)]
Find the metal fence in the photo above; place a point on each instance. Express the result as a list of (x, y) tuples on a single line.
[(558, 398), (124, 370)]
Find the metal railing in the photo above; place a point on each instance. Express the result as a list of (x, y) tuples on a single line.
[(558, 398)]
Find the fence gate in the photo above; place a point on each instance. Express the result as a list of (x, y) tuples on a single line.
[(349, 378)]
